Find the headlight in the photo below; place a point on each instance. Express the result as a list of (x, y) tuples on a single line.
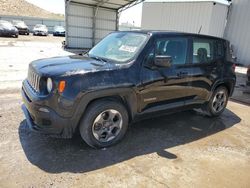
[(49, 85)]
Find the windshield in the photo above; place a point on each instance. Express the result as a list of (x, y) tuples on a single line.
[(19, 23), (40, 27), (6, 24), (119, 47), (59, 28)]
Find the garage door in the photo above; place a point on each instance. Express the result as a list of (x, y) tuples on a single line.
[(87, 25)]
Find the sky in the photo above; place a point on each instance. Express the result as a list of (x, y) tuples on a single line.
[(132, 15), (57, 6)]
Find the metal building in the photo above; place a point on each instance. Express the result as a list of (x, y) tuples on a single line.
[(206, 17), (238, 30), (88, 21)]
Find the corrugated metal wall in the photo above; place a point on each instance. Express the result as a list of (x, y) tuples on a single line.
[(31, 21), (218, 20), (185, 17), (80, 23), (238, 30), (105, 23)]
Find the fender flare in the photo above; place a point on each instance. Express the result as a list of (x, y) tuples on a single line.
[(127, 95), (228, 82)]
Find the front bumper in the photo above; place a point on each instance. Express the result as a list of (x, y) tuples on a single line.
[(44, 119), (41, 33), (59, 33)]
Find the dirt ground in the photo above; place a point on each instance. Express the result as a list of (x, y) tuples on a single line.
[(16, 54), (185, 149)]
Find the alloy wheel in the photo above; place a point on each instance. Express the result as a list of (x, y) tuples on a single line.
[(107, 125), (219, 101)]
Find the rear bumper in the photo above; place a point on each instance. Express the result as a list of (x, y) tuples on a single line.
[(59, 34), (248, 80), (45, 120), (23, 31)]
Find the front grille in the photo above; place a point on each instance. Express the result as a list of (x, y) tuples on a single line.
[(34, 80)]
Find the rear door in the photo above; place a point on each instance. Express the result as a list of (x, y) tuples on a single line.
[(206, 68)]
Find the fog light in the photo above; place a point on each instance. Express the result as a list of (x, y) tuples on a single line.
[(43, 110)]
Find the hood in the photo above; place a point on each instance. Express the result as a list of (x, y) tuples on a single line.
[(70, 65), (9, 28)]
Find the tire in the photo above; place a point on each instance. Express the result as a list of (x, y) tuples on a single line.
[(100, 116), (217, 103)]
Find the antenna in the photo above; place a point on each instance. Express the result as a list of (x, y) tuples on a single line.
[(200, 30)]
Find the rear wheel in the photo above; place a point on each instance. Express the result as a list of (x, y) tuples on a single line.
[(218, 102), (104, 123)]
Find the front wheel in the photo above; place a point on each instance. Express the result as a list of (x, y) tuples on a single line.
[(104, 123), (218, 102)]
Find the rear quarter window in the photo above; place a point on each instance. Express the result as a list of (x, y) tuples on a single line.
[(219, 49)]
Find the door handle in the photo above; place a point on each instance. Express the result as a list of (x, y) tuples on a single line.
[(182, 74)]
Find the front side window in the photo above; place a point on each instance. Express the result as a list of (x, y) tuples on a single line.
[(176, 48), (203, 51), (119, 47)]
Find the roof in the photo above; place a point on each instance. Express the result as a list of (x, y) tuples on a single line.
[(224, 2), (171, 33), (110, 4)]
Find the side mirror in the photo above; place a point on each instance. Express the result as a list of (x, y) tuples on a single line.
[(163, 61)]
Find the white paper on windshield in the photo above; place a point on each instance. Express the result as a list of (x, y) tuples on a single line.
[(130, 49)]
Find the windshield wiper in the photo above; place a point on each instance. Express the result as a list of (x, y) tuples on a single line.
[(99, 59)]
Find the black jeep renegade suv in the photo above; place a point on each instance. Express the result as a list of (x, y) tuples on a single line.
[(126, 76)]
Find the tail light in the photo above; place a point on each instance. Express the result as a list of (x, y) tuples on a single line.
[(248, 70)]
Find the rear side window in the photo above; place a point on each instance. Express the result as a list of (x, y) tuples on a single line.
[(203, 51)]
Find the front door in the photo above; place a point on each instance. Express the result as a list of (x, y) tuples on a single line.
[(165, 87)]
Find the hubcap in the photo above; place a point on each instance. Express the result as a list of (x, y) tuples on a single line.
[(107, 125), (219, 101)]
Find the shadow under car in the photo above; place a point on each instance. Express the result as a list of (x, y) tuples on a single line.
[(154, 135)]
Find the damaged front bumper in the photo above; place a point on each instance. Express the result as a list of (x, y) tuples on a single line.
[(42, 119)]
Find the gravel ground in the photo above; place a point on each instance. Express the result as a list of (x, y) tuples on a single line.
[(179, 150)]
